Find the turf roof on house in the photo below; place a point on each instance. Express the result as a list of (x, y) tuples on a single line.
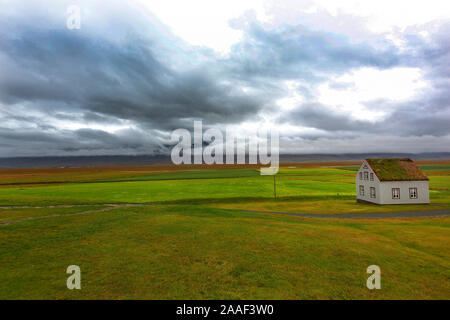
[(396, 169)]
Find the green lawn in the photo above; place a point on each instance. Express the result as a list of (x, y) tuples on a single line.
[(192, 252), (326, 186), (195, 242), (24, 213), (173, 190)]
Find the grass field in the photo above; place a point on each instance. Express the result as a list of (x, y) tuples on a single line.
[(192, 239)]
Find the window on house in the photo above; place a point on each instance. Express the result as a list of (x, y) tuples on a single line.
[(360, 176), (372, 192), (413, 193), (366, 175), (361, 191), (371, 176), (395, 193)]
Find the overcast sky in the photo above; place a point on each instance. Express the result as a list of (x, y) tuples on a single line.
[(332, 76)]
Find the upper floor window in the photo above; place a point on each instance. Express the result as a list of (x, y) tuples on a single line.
[(372, 192), (361, 190), (371, 176), (395, 193), (360, 176), (366, 175), (413, 193)]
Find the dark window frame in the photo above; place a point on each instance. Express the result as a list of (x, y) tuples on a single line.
[(361, 190), (366, 175), (373, 194), (416, 193), (371, 176), (396, 198)]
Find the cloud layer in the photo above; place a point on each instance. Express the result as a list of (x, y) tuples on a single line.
[(124, 81)]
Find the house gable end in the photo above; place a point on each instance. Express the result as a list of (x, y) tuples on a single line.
[(365, 167)]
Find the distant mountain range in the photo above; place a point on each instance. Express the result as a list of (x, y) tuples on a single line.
[(142, 160)]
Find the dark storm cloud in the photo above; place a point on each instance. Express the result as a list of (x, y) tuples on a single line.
[(426, 114), (432, 52), (126, 82), (78, 142), (87, 117), (319, 116), (90, 77), (295, 52), (126, 70), (415, 118)]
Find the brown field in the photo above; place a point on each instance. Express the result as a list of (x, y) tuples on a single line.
[(42, 176)]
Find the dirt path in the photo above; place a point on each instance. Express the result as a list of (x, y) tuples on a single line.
[(109, 207), (55, 206), (372, 215)]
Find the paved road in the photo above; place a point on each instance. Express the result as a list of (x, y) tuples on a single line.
[(374, 215)]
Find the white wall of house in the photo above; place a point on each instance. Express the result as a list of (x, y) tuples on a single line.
[(422, 195), (383, 189), (368, 179)]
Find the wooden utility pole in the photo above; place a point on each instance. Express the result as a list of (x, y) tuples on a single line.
[(274, 187)]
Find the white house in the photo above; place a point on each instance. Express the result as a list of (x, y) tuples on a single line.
[(391, 181)]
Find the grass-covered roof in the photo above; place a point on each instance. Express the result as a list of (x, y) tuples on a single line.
[(396, 169)]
